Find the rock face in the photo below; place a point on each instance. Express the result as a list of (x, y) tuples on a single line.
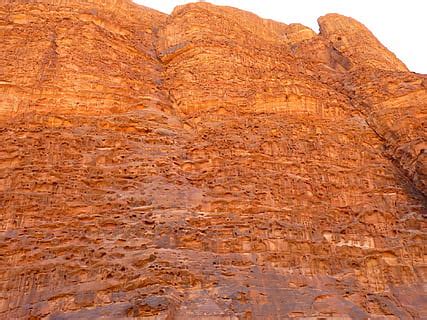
[(206, 165)]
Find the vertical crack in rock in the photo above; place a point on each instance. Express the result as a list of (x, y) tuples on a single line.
[(382, 88), (49, 60)]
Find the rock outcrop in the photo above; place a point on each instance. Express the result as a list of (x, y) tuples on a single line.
[(207, 164)]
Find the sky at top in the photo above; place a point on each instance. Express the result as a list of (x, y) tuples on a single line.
[(401, 25)]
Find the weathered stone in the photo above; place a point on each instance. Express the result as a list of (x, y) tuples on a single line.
[(206, 165)]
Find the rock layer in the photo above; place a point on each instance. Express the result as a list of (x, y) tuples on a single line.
[(208, 164), (78, 57)]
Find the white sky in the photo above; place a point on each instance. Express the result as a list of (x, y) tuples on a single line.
[(401, 25)]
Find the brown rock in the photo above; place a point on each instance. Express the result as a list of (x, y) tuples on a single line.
[(208, 164)]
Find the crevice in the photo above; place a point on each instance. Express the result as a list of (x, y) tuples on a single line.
[(49, 60), (408, 184)]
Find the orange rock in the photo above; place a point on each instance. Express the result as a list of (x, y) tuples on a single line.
[(208, 164)]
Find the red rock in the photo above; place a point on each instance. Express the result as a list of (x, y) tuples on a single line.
[(208, 164)]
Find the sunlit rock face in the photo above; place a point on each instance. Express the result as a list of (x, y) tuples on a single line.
[(78, 57), (208, 164)]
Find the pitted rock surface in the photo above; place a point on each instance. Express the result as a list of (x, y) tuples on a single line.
[(207, 164)]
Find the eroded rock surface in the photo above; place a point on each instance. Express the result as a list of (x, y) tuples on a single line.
[(206, 165)]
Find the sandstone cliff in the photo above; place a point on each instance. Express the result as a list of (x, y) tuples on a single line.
[(206, 164)]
